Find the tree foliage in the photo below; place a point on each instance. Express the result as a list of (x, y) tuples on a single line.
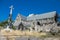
[(3, 23)]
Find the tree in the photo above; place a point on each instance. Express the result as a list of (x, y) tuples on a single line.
[(3, 23)]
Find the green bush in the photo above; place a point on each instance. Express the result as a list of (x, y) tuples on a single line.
[(13, 27)]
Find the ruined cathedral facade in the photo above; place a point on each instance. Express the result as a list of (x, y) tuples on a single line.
[(36, 22)]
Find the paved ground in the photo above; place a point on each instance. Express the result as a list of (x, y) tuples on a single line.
[(30, 38)]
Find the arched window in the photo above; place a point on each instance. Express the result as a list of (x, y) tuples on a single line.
[(38, 23)]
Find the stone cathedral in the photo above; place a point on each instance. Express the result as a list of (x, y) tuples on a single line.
[(36, 22)]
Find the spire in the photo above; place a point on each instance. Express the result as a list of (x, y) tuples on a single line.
[(11, 8)]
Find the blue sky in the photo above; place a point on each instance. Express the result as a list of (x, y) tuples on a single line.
[(26, 7)]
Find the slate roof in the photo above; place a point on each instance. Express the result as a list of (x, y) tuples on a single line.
[(42, 16)]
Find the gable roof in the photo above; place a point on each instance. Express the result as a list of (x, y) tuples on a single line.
[(18, 19), (42, 16)]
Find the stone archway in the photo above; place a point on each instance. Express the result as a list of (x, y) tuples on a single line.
[(21, 26)]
